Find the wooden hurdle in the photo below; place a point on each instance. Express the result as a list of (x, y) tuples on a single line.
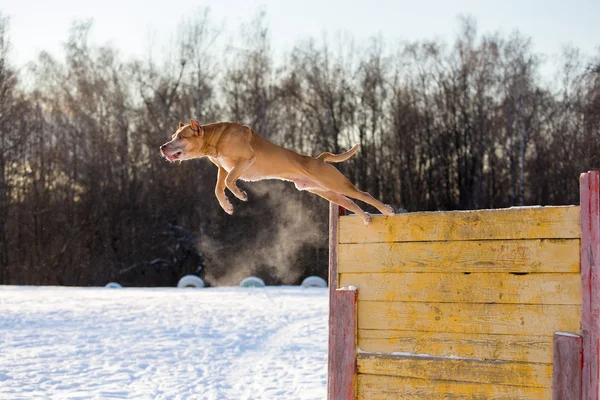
[(489, 304)]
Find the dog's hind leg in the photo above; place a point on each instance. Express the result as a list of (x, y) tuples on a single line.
[(329, 177), (367, 198), (342, 201)]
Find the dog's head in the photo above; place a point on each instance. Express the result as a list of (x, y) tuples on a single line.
[(185, 143)]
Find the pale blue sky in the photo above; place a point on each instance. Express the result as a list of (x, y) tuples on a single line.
[(128, 24)]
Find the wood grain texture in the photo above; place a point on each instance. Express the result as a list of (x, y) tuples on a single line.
[(536, 349), (507, 319), (511, 223), (467, 288), (341, 376), (448, 369), (379, 387), (590, 281), (341, 362), (568, 361), (532, 256), (334, 213)]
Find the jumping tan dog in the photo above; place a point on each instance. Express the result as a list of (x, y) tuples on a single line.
[(240, 153)]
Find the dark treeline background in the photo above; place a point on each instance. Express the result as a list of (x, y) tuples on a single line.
[(85, 197)]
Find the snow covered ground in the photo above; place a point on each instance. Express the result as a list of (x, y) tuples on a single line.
[(217, 343)]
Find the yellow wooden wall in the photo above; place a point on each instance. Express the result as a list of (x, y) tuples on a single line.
[(462, 304)]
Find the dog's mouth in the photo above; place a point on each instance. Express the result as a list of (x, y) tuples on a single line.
[(173, 156)]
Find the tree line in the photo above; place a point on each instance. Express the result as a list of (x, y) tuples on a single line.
[(85, 197)]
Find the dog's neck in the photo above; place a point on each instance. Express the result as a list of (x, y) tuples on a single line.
[(211, 138)]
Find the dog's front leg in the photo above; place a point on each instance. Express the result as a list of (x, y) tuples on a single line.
[(236, 172), (220, 191)]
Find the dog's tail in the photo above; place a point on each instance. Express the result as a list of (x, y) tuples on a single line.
[(330, 157)]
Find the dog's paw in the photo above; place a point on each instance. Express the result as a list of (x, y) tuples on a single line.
[(389, 211), (367, 219), (243, 196), (227, 207)]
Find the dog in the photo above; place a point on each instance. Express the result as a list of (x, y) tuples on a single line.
[(241, 153)]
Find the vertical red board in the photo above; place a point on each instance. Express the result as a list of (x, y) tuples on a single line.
[(590, 281), (341, 365), (568, 356), (334, 216), (341, 371)]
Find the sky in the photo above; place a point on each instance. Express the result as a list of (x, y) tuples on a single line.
[(131, 25)]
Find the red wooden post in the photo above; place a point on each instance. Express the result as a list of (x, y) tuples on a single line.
[(334, 213), (341, 371), (568, 359), (341, 368), (590, 281)]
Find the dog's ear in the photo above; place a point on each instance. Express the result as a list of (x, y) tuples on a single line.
[(196, 127), (181, 125)]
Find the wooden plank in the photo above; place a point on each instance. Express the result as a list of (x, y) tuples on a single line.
[(507, 319), (448, 369), (467, 288), (568, 361), (379, 387), (590, 281), (556, 255), (341, 364), (334, 213), (483, 346), (341, 374), (511, 223)]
